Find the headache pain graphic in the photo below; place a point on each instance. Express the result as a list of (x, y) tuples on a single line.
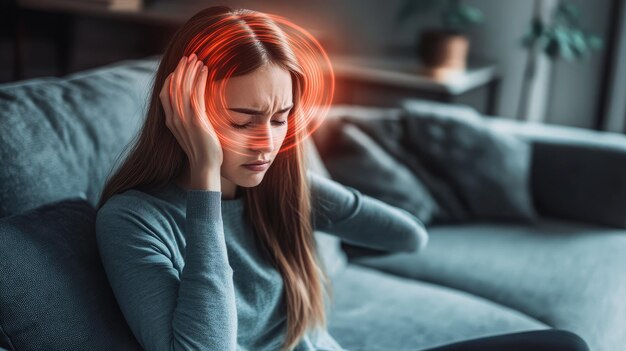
[(216, 46)]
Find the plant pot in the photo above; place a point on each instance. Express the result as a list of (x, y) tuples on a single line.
[(442, 52)]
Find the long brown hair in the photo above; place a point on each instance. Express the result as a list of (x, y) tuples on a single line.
[(279, 208)]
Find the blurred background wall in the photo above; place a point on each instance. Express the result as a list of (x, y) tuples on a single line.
[(563, 93)]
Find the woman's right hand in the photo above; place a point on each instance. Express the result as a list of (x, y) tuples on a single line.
[(182, 97)]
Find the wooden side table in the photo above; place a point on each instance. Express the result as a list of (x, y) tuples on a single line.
[(400, 77)]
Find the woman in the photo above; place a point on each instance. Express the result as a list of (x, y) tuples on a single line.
[(198, 244)]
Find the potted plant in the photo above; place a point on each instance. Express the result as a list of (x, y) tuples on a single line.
[(443, 50), (560, 37)]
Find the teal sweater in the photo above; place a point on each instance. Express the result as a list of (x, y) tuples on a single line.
[(187, 276)]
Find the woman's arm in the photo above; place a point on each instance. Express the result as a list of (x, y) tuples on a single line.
[(194, 310), (362, 220)]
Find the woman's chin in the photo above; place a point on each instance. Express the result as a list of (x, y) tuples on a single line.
[(252, 180)]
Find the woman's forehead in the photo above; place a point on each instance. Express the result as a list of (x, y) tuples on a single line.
[(264, 89)]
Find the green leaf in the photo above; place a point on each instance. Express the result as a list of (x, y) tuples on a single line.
[(594, 42), (409, 8), (578, 43), (570, 12), (460, 16), (566, 51)]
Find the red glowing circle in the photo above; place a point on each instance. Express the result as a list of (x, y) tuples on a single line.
[(215, 46)]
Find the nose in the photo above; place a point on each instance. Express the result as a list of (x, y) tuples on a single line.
[(262, 140)]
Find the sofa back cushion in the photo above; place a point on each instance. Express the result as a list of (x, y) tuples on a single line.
[(59, 137), (54, 294), (356, 159), (577, 174), (463, 170), (487, 170)]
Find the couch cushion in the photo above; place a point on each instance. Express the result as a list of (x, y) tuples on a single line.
[(54, 294), (356, 160), (577, 173), (565, 274), (380, 123), (59, 137), (489, 171), (374, 311)]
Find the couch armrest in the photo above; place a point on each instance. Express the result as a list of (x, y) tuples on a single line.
[(576, 174)]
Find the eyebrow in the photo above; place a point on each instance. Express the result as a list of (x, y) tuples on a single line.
[(256, 112)]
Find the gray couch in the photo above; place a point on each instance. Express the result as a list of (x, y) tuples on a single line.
[(61, 137)]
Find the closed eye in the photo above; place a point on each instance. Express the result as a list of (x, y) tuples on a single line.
[(277, 123), (244, 126)]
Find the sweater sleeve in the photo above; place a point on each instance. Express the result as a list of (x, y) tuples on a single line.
[(362, 220), (193, 310)]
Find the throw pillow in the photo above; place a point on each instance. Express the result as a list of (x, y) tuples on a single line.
[(389, 133), (358, 161), (60, 137), (489, 171)]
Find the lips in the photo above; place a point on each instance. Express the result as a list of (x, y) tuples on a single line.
[(256, 163)]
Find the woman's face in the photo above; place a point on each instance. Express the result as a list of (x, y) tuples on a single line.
[(257, 106)]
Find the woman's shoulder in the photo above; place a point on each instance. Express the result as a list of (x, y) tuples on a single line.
[(128, 200), (136, 202), (135, 215)]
